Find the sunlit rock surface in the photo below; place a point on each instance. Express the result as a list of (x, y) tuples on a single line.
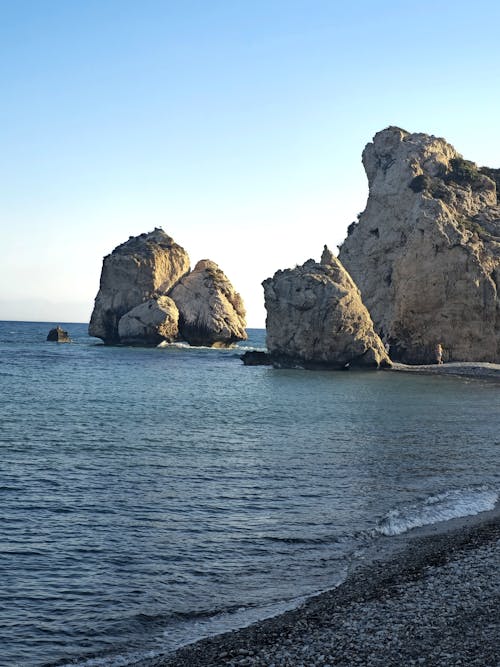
[(211, 312), (316, 319), (143, 267), (425, 253)]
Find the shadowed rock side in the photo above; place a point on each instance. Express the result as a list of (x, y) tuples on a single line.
[(136, 271), (425, 253), (316, 319), (211, 312), (150, 323)]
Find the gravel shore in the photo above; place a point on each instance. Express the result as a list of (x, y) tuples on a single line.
[(433, 600)]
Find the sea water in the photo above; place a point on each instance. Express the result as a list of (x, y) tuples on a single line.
[(153, 496)]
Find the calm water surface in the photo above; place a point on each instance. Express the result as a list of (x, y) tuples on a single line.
[(150, 496)]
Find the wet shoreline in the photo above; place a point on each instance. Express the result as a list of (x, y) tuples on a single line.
[(429, 597)]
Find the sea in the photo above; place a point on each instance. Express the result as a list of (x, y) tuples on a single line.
[(151, 497)]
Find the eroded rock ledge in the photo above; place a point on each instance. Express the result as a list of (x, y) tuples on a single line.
[(147, 296)]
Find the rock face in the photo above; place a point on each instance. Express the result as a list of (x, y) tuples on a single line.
[(316, 319), (148, 296), (210, 311), (136, 271), (425, 253), (58, 335), (150, 323)]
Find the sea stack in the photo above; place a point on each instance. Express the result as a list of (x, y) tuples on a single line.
[(133, 273), (425, 253), (316, 319), (147, 296), (211, 312)]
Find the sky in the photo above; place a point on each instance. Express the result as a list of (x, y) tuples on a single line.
[(236, 126)]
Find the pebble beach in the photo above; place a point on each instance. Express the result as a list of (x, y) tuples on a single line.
[(433, 601)]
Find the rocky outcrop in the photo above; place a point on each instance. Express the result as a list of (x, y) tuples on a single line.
[(147, 296), (425, 253), (137, 270), (316, 319), (58, 335), (151, 323), (210, 311)]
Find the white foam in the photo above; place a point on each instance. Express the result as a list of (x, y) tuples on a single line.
[(440, 507)]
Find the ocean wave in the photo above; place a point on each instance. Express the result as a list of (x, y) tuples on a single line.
[(440, 507)]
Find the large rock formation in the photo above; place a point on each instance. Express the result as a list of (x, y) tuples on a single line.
[(315, 318), (148, 296), (151, 323), (425, 253), (210, 311), (133, 273)]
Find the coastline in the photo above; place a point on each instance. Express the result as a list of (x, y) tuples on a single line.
[(480, 370), (427, 597)]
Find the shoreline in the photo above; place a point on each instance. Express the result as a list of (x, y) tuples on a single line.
[(481, 370), (427, 597)]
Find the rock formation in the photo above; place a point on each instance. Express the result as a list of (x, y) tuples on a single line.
[(148, 296), (150, 323), (316, 319), (133, 273), (210, 311), (58, 335), (425, 253)]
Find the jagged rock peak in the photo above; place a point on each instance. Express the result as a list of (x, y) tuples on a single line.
[(327, 257), (425, 252), (211, 312), (315, 318)]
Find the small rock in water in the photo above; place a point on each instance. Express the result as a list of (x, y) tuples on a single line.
[(58, 335)]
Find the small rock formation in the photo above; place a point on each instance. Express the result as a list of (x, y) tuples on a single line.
[(136, 271), (256, 358), (425, 253), (148, 296), (316, 319), (210, 311), (58, 335), (150, 323)]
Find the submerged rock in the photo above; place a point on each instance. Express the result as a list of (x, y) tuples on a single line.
[(140, 269), (211, 312), (425, 253), (58, 335), (151, 323), (316, 319)]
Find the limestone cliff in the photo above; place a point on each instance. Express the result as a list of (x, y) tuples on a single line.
[(134, 272), (211, 312), (425, 253), (315, 318)]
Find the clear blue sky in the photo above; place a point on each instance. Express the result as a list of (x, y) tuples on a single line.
[(236, 126)]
